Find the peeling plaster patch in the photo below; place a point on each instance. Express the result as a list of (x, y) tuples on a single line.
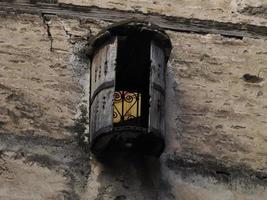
[(234, 176), (81, 66), (93, 184), (60, 155), (190, 185), (172, 103), (124, 176), (40, 91), (256, 8), (43, 183)]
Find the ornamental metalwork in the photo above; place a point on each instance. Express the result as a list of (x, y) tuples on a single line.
[(127, 107)]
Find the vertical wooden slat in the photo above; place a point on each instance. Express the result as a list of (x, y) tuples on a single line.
[(157, 86), (157, 64), (103, 87)]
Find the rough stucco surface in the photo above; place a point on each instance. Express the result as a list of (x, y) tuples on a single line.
[(221, 10), (16, 184), (213, 118), (214, 107), (40, 94), (38, 91), (256, 8)]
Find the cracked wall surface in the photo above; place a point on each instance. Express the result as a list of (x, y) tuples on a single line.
[(40, 94), (215, 117), (219, 10)]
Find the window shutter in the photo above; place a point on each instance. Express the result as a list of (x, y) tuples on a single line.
[(156, 90), (102, 89)]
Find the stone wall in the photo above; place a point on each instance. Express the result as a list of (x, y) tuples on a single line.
[(215, 116), (246, 11)]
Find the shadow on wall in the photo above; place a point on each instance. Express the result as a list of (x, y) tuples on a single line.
[(31, 1), (129, 176), (44, 1)]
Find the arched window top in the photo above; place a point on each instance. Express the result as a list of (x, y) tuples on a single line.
[(125, 28)]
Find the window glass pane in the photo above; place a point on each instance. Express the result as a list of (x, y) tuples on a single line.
[(127, 106)]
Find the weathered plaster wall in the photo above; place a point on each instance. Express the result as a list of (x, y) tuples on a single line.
[(214, 106), (40, 96), (221, 10), (215, 120), (39, 92)]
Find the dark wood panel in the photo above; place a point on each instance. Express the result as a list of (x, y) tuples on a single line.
[(156, 102), (102, 87)]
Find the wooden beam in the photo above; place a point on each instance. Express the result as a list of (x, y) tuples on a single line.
[(180, 24)]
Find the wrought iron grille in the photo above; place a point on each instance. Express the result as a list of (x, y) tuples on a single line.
[(127, 107)]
